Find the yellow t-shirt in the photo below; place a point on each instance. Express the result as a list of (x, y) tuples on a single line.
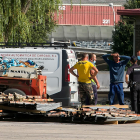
[(83, 68)]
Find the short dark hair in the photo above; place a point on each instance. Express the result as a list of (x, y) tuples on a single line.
[(90, 55), (133, 59), (84, 55)]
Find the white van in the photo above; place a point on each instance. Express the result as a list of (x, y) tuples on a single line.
[(61, 85)]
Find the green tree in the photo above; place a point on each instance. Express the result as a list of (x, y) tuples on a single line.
[(132, 4), (123, 38), (123, 34), (27, 20)]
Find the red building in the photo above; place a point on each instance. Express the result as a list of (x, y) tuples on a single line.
[(90, 15), (92, 20)]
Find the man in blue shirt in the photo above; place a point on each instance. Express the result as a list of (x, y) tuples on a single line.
[(116, 68)]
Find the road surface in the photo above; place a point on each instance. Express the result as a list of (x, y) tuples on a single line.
[(67, 131)]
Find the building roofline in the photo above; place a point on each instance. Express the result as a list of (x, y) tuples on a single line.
[(129, 12), (90, 4)]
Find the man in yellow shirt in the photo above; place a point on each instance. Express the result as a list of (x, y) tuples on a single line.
[(84, 78)]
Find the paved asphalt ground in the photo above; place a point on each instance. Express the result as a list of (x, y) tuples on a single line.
[(67, 131)]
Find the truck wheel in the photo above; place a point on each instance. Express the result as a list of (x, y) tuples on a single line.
[(14, 90)]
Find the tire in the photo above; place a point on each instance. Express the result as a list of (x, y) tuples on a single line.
[(127, 101), (13, 90)]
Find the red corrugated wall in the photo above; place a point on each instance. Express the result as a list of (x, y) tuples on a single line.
[(88, 15)]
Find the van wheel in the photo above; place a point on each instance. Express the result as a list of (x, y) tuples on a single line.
[(127, 101), (14, 90)]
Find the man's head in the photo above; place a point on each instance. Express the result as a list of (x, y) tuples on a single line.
[(85, 56), (133, 60), (116, 57), (138, 53), (92, 57)]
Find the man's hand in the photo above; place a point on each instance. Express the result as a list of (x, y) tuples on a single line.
[(90, 78), (126, 78), (98, 86), (71, 71), (77, 76), (115, 54)]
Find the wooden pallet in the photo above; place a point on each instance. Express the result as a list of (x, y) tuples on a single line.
[(20, 98), (114, 114), (134, 120), (26, 104), (102, 115), (100, 106)]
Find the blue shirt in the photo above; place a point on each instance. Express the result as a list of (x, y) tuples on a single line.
[(116, 69)]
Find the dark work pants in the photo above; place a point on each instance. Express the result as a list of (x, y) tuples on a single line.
[(95, 96), (135, 91), (116, 88), (95, 93), (85, 90)]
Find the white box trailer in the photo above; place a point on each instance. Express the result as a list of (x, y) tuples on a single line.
[(61, 85)]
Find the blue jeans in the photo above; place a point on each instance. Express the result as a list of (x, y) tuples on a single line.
[(116, 88)]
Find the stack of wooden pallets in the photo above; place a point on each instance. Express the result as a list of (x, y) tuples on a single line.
[(97, 114), (87, 114), (26, 104)]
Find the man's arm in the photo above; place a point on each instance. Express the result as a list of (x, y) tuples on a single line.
[(95, 79), (71, 71), (105, 57), (129, 70), (126, 78), (94, 73), (97, 82), (127, 58)]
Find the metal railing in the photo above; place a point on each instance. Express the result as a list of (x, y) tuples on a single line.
[(91, 44), (22, 44)]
